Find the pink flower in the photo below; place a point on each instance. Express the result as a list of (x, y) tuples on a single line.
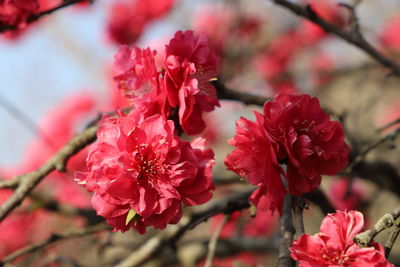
[(45, 5), (16, 12), (328, 10), (334, 245), (137, 76), (339, 198), (390, 35), (128, 18), (189, 65), (293, 130), (138, 168), (57, 128), (279, 55)]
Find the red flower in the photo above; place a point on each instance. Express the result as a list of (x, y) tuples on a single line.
[(15, 12), (327, 10), (390, 35), (293, 130), (190, 64), (334, 245), (138, 168), (279, 55), (340, 198), (128, 19), (137, 77)]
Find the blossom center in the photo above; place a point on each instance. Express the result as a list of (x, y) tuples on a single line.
[(336, 257), (304, 126), (147, 164)]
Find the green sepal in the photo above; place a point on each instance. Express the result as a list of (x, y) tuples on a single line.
[(130, 216)]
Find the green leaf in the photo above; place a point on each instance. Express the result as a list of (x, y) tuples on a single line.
[(130, 216)]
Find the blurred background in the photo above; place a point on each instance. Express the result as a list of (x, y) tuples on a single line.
[(56, 76)]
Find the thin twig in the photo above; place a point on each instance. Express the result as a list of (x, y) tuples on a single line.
[(27, 182), (385, 222), (229, 94), (363, 153), (351, 37), (51, 204), (319, 198), (25, 120), (53, 239), (390, 124), (212, 245), (286, 235), (392, 238), (173, 233), (298, 205)]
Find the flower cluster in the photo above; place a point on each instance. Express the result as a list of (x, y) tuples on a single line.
[(334, 245), (295, 131), (142, 174), (16, 12), (127, 19), (181, 83)]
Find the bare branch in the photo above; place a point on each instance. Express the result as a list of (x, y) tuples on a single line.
[(362, 154), (53, 239), (213, 242), (390, 124), (27, 182), (229, 94), (173, 233), (392, 238), (351, 37), (319, 198), (286, 235), (298, 205), (385, 222)]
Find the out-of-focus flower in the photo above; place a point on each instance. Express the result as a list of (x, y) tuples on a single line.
[(56, 129), (216, 24), (189, 66), (321, 64), (45, 5), (128, 18), (334, 245), (327, 10), (15, 12), (293, 130), (344, 198), (390, 34), (142, 174), (279, 55)]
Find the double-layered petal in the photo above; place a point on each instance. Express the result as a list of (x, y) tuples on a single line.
[(190, 65), (139, 167), (334, 245), (295, 131)]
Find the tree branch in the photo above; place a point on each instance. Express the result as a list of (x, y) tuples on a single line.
[(27, 182), (212, 245), (173, 233), (229, 94), (392, 238), (53, 239), (286, 235), (385, 222), (351, 37), (298, 205), (319, 198)]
